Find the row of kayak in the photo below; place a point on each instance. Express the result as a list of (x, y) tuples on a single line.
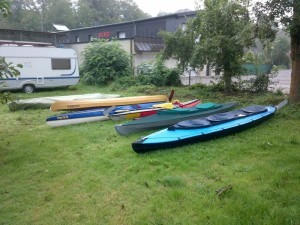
[(183, 123), (115, 112)]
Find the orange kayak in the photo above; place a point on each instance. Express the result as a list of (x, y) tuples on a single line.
[(97, 103)]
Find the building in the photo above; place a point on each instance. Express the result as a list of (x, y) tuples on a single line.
[(140, 38)]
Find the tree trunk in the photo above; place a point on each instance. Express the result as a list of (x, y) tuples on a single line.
[(295, 56), (227, 81)]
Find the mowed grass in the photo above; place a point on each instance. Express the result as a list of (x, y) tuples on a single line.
[(88, 174)]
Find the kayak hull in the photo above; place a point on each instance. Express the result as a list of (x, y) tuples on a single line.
[(77, 117), (169, 138), (161, 121), (97, 103), (59, 123), (46, 102)]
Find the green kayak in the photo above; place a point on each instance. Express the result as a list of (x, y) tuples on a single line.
[(166, 118)]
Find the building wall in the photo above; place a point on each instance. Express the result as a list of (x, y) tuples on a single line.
[(140, 28), (173, 23), (139, 58)]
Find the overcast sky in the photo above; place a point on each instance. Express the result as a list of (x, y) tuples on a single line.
[(153, 7)]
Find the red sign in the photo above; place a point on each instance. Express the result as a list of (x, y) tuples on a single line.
[(105, 34)]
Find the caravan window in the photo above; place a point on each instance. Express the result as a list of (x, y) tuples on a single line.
[(61, 64)]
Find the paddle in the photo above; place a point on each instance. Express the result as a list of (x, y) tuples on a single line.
[(281, 104), (171, 95)]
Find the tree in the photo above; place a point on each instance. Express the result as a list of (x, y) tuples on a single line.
[(180, 45), (280, 51), (39, 15), (6, 69), (285, 13), (224, 29), (129, 10), (104, 62), (91, 12), (4, 8), (59, 12)]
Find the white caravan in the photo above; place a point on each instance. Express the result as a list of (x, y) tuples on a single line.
[(43, 67)]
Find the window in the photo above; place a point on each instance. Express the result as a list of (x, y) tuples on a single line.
[(61, 64), (77, 39), (183, 26), (91, 38), (121, 35)]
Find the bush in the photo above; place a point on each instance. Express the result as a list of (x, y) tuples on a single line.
[(149, 89), (104, 62), (261, 82), (7, 70), (172, 78), (124, 83), (158, 74)]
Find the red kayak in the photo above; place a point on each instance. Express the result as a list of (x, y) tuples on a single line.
[(148, 112)]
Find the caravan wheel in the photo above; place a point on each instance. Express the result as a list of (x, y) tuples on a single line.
[(28, 88)]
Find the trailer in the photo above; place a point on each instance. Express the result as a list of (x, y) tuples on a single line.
[(44, 66)]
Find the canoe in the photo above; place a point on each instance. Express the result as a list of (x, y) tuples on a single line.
[(205, 128), (166, 118), (151, 111), (92, 115), (77, 117), (97, 103), (46, 102)]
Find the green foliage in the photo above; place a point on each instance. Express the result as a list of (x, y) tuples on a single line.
[(158, 74), (124, 83), (217, 36), (225, 29), (180, 45), (285, 14), (277, 13), (261, 82), (7, 70), (258, 83), (104, 62), (90, 13), (4, 8), (262, 79), (148, 89), (281, 52), (172, 78), (249, 57), (40, 15)]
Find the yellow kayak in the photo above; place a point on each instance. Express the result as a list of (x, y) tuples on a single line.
[(167, 105), (97, 103)]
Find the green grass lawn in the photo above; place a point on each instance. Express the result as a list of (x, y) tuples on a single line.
[(88, 174)]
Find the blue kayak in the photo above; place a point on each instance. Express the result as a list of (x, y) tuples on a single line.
[(205, 128), (93, 115)]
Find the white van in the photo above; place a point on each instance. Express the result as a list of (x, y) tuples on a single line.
[(43, 67)]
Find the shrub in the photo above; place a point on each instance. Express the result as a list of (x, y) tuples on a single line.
[(7, 70), (149, 89), (173, 78), (261, 82), (104, 62), (158, 74), (124, 83)]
